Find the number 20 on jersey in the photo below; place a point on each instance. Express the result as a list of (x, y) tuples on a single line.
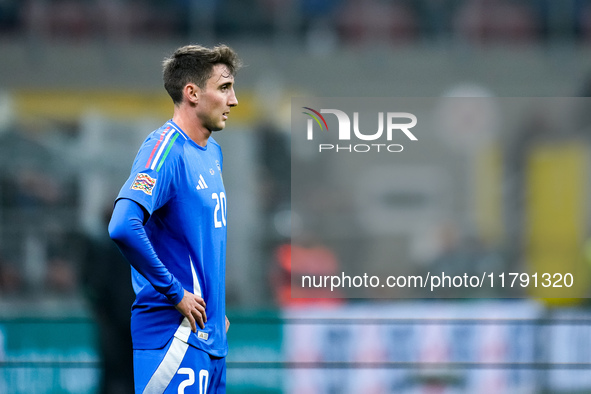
[(219, 212)]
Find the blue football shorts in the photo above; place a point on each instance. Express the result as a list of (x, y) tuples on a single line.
[(178, 368)]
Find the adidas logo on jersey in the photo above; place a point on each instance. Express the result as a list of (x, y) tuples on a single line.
[(201, 184)]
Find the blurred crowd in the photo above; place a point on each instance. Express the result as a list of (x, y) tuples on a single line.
[(37, 251), (346, 22)]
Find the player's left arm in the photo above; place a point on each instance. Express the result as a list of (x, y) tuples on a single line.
[(227, 324), (148, 189)]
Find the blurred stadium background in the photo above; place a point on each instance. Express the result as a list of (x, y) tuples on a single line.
[(80, 87)]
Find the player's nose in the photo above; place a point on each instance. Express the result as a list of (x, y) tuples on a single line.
[(232, 100)]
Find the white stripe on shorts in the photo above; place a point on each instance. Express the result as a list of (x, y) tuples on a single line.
[(169, 365)]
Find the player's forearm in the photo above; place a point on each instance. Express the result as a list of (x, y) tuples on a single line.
[(127, 230)]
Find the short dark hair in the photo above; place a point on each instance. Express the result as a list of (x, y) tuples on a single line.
[(194, 64)]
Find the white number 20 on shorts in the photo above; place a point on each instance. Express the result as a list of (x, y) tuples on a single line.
[(203, 380)]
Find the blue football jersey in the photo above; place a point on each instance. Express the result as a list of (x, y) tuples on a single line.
[(180, 185)]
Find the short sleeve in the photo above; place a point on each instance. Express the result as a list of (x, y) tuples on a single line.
[(153, 178)]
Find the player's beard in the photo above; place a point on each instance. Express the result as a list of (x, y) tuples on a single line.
[(215, 123)]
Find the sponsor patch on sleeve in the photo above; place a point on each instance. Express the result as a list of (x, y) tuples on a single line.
[(144, 182)]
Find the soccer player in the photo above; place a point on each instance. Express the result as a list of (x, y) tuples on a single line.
[(170, 221)]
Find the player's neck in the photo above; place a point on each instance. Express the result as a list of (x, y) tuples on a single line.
[(191, 126)]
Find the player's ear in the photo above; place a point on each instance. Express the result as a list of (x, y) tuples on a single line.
[(191, 93)]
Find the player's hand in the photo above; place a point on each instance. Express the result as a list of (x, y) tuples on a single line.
[(227, 324), (193, 308)]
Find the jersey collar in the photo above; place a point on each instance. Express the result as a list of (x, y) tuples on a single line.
[(177, 128)]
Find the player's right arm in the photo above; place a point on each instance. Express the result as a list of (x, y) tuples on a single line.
[(127, 230)]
